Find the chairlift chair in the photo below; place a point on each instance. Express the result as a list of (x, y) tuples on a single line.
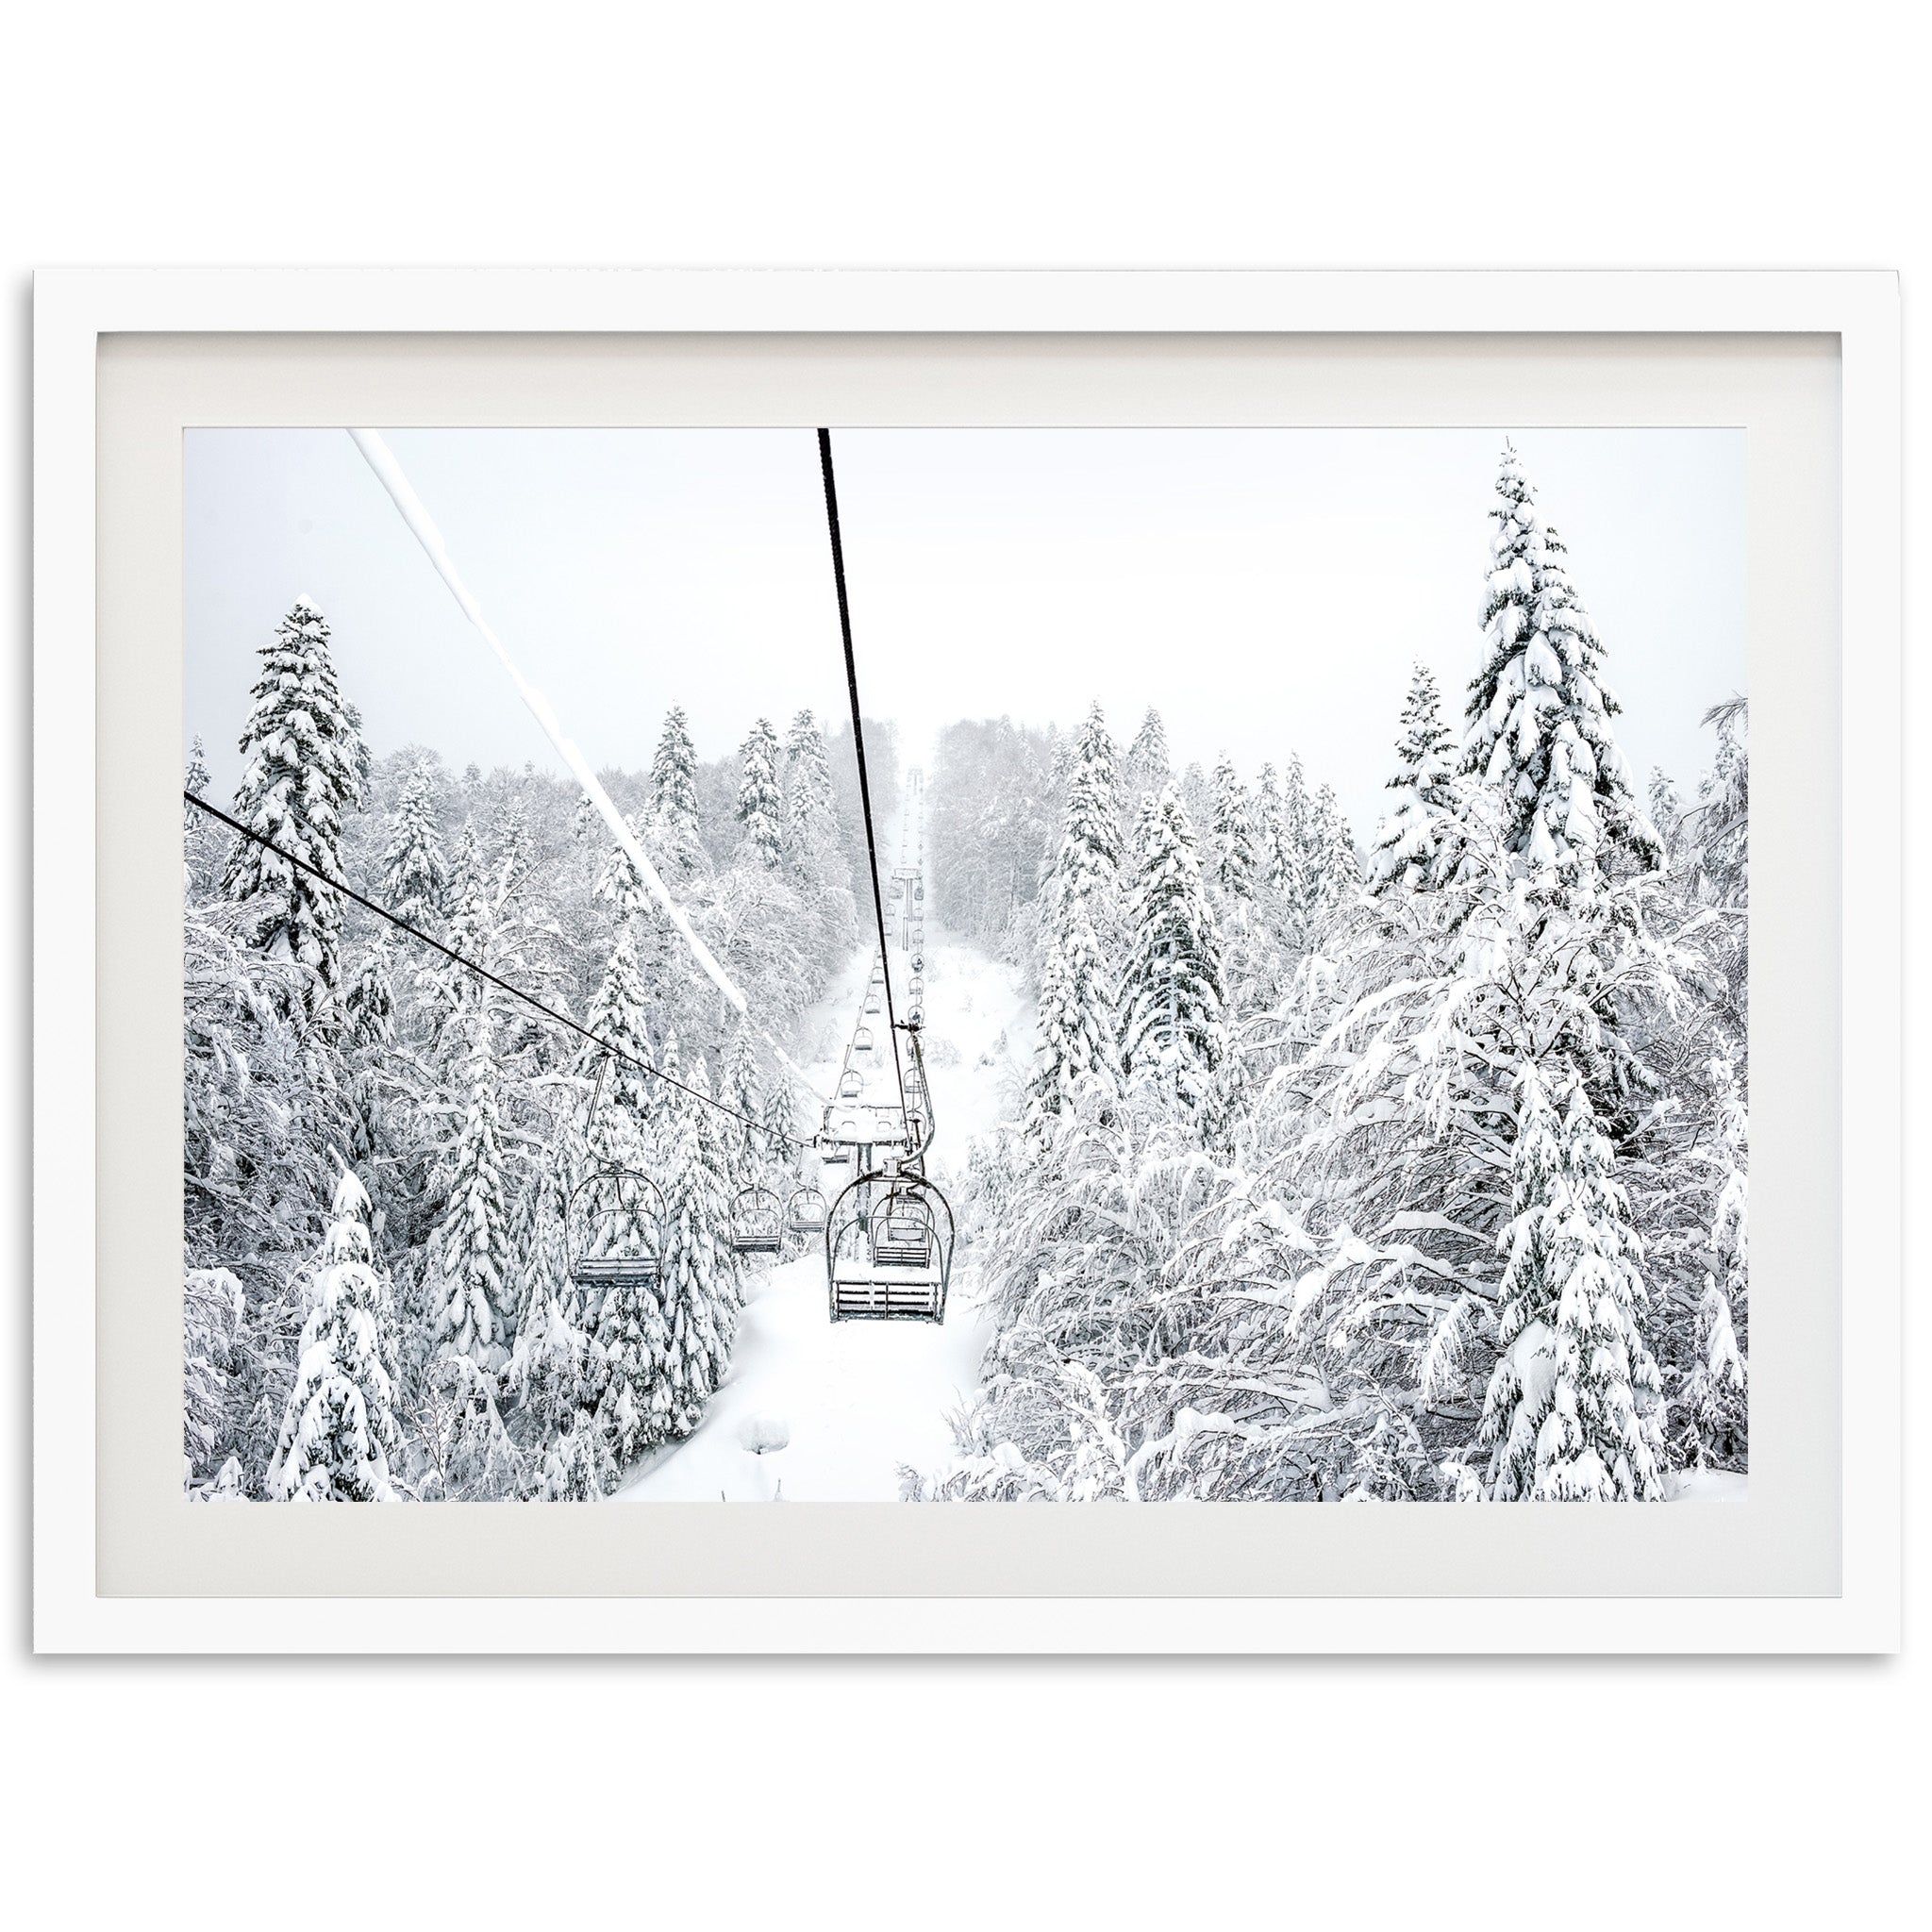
[(861, 1040), (613, 1222), (851, 1084), (889, 1253), (804, 1212), (756, 1222)]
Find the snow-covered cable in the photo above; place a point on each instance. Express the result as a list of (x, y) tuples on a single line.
[(389, 472)]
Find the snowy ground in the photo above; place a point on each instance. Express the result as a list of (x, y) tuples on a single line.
[(856, 1401)]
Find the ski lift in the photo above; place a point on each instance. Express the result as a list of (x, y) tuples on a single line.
[(915, 1016), (919, 895), (805, 1213), (756, 1222), (861, 1040), (614, 1229), (916, 987), (872, 1004), (889, 1252), (851, 1084), (918, 962)]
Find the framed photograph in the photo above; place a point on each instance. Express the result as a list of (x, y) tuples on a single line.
[(949, 900)]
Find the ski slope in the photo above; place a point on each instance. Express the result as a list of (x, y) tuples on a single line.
[(857, 1402)]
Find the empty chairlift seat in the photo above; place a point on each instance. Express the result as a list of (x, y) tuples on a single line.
[(851, 1084), (613, 1222), (861, 1040), (888, 1251), (805, 1213), (756, 1222)]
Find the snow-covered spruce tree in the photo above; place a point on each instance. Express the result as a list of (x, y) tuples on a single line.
[(627, 1099), (302, 773), (1078, 1018), (1538, 715), (1277, 851), (1149, 767), (675, 835), (749, 1155), (701, 1287), (1709, 1413), (368, 1007), (761, 804), (550, 1371), (1235, 858), (337, 1433), (1087, 867), (414, 880), (1173, 986), (1334, 872), (475, 1270), (1573, 1409), (1405, 849)]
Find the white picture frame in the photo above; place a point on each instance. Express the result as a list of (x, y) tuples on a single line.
[(76, 309)]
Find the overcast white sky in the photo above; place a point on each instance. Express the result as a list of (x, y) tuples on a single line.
[(1267, 588)]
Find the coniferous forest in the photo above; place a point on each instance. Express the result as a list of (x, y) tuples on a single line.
[(1401, 1161)]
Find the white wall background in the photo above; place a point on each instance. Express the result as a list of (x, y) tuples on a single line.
[(1001, 136)]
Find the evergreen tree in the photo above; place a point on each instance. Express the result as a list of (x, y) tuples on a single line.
[(1538, 715), (749, 1150), (370, 1005), (197, 781), (1335, 870), (1078, 1018), (1404, 851), (701, 1295), (760, 806), (338, 1432), (1175, 987), (550, 1369), (1711, 1405), (1572, 1409), (473, 1244), (1149, 769), (626, 1107), (304, 760), (675, 799), (415, 879), (1235, 861), (1274, 851)]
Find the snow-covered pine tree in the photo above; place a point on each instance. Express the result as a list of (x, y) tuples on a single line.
[(1539, 714), (1710, 1409), (303, 773), (549, 1370), (1149, 768), (1089, 862), (1573, 1407), (1078, 1021), (369, 1004), (1275, 855), (474, 1266), (1405, 849), (1335, 871), (628, 1100), (678, 843), (415, 879), (338, 1433), (701, 1287), (1173, 990), (748, 1155), (761, 804), (1235, 858), (197, 778)]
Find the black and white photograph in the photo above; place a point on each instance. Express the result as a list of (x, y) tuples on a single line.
[(965, 965)]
